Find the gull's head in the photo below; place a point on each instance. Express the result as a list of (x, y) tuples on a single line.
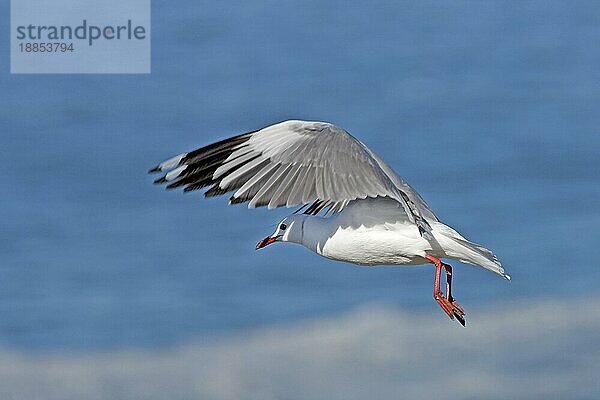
[(288, 230)]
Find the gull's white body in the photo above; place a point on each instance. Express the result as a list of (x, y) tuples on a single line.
[(377, 231), (386, 244)]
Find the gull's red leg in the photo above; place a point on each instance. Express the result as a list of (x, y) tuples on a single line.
[(450, 307)]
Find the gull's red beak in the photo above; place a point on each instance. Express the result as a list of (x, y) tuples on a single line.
[(265, 242)]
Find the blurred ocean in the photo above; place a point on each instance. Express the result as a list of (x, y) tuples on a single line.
[(372, 352), (490, 110)]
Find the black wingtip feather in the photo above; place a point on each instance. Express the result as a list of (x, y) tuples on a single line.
[(216, 148), (191, 188), (154, 170), (215, 191), (160, 180), (237, 200)]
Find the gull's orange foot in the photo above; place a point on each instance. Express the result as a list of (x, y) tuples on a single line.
[(451, 307), (447, 302)]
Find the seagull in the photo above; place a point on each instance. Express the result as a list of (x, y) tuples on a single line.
[(353, 207)]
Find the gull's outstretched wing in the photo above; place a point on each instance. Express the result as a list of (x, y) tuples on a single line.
[(293, 163)]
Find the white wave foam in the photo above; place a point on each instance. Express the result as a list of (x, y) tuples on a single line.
[(521, 351)]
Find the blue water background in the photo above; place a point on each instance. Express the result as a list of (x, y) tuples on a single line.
[(490, 110)]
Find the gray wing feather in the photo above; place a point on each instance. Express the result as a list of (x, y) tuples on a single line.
[(292, 163), (282, 192), (295, 196)]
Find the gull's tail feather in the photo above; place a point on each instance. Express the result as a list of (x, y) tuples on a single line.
[(457, 247)]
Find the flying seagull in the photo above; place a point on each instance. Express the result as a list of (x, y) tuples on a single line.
[(354, 208)]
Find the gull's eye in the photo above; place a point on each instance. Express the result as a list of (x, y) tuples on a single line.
[(283, 227)]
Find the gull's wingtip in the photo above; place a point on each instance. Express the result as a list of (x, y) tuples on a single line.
[(171, 163)]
